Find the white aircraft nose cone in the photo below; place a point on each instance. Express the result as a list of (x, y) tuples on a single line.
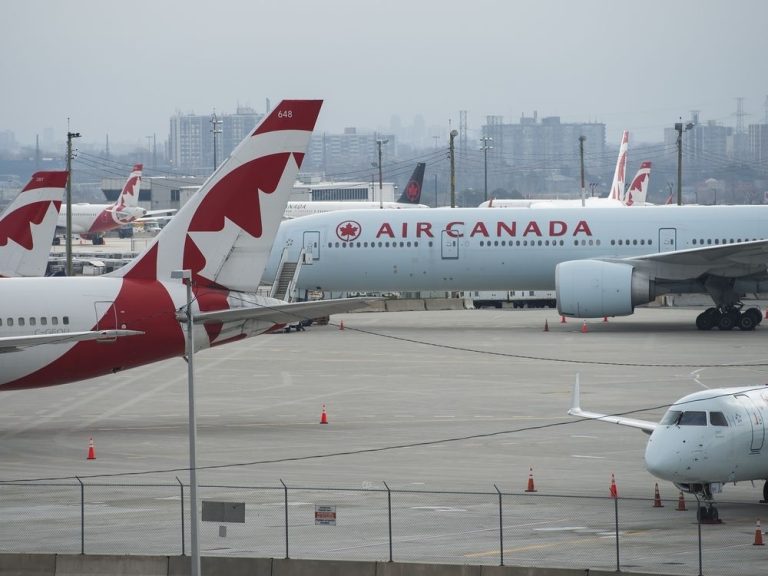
[(660, 460)]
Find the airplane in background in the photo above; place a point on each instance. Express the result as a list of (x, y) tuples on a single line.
[(704, 440), (600, 262), (28, 224), (638, 189), (410, 198), (64, 329), (93, 220)]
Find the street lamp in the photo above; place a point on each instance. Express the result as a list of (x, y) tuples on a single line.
[(186, 277), (215, 122), (485, 147), (379, 142), (68, 243), (680, 127), (453, 135)]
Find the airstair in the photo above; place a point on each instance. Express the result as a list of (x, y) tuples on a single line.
[(287, 276)]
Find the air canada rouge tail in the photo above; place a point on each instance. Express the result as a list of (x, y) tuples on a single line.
[(619, 174), (638, 189), (28, 224), (224, 233), (412, 192), (129, 195)]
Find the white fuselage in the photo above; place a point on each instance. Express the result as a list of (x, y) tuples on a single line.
[(713, 436), (490, 248), (299, 209), (97, 218)]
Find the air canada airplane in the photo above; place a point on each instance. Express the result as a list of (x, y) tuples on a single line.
[(63, 329), (94, 220), (704, 440), (601, 262), (28, 224), (410, 198)]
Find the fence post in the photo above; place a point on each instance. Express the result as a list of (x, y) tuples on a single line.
[(389, 515), (82, 516), (698, 521), (616, 517), (501, 527), (181, 488), (286, 517)]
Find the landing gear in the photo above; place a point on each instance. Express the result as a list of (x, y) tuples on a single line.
[(729, 318), (708, 514), (765, 493)]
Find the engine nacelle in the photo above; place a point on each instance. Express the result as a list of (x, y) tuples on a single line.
[(593, 288)]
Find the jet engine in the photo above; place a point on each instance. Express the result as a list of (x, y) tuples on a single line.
[(594, 288)]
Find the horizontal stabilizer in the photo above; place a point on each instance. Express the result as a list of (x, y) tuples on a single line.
[(288, 312), (12, 343)]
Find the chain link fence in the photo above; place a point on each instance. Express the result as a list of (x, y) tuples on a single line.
[(379, 524)]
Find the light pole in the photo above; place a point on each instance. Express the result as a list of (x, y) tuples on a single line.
[(453, 135), (680, 127), (186, 277), (581, 160), (68, 243), (379, 142), (215, 122), (485, 147)]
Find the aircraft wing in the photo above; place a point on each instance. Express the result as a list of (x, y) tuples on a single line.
[(645, 425), (12, 343), (288, 312), (728, 260)]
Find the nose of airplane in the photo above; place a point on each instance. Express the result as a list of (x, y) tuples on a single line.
[(660, 460)]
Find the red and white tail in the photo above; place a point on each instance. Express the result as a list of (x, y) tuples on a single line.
[(224, 233), (129, 195), (28, 224), (617, 186), (638, 189)]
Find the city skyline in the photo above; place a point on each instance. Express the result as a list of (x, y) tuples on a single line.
[(123, 70)]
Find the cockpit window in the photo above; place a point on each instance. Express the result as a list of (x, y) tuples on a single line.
[(717, 419), (689, 418)]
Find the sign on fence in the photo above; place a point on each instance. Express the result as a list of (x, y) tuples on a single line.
[(325, 515)]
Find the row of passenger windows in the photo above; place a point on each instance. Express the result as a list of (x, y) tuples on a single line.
[(710, 241), (693, 418), (33, 321)]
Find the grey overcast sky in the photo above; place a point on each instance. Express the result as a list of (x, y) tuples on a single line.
[(124, 67)]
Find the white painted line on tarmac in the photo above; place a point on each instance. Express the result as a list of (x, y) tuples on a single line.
[(587, 457)]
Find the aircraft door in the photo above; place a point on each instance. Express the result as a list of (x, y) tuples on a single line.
[(106, 317), (449, 247), (667, 239), (756, 422), (312, 246)]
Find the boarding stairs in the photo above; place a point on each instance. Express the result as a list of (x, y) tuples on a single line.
[(286, 278)]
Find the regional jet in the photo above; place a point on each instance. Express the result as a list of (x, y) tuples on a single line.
[(64, 329), (704, 440)]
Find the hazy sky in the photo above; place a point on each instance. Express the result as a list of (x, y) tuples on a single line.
[(124, 67)]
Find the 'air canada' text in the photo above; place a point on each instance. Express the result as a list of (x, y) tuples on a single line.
[(553, 228)]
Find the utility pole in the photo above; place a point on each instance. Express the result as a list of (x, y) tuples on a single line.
[(453, 135), (68, 243), (379, 142), (215, 122), (680, 127), (581, 157), (485, 147)]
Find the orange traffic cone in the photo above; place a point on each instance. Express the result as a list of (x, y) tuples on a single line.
[(613, 489), (546, 326), (758, 534), (91, 450), (323, 416), (657, 497), (530, 487), (562, 318), (766, 313), (341, 325), (681, 503), (584, 327), (605, 318)]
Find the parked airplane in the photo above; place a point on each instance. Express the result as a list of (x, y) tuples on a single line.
[(638, 189), (410, 198), (601, 262), (63, 329), (28, 224), (704, 440), (94, 220)]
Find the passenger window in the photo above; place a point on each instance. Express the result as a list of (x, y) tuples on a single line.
[(32, 321), (10, 322), (54, 321), (21, 322), (65, 320), (43, 321), (717, 419)]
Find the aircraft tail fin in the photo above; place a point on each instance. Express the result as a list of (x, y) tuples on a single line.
[(224, 233), (619, 174), (129, 195), (412, 192), (28, 224), (638, 189)]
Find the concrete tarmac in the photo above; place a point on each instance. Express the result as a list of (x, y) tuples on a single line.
[(458, 401)]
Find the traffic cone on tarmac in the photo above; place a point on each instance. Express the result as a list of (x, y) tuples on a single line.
[(530, 487), (613, 489), (680, 503), (758, 534), (562, 318), (91, 450), (323, 416), (657, 497), (546, 325), (341, 325), (584, 327)]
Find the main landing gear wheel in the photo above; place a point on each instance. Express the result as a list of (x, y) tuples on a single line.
[(708, 319), (765, 492), (729, 320), (708, 515)]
